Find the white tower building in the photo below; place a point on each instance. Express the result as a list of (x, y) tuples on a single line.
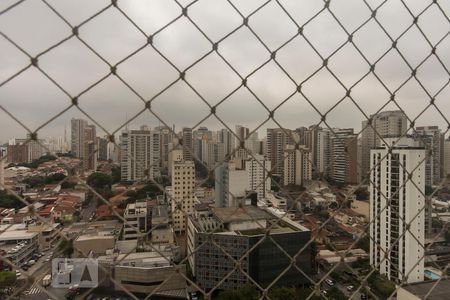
[(397, 211)]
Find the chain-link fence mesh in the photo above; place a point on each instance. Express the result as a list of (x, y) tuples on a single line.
[(264, 253)]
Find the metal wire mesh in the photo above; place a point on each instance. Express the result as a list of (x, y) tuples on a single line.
[(296, 29)]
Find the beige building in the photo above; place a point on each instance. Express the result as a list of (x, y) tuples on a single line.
[(183, 192), (48, 233), (297, 166), (97, 244), (143, 272)]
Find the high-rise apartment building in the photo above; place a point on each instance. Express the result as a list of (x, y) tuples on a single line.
[(183, 193), (231, 184), (188, 148), (447, 157), (90, 148), (166, 138), (140, 154), (77, 136), (396, 210), (297, 166), (225, 137), (432, 138), (344, 156), (320, 149), (384, 124), (257, 168), (277, 139)]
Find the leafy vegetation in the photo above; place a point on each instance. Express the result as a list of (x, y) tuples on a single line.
[(7, 278), (246, 292), (35, 163), (381, 285), (39, 181), (65, 247), (115, 174), (8, 200)]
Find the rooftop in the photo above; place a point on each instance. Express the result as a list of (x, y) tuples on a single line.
[(440, 292), (241, 214)]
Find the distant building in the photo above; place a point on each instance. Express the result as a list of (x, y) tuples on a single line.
[(231, 184), (396, 211), (258, 168), (277, 139), (136, 223), (297, 166), (182, 196), (140, 154), (432, 139), (236, 231), (77, 136), (384, 124), (447, 157), (188, 148), (344, 156)]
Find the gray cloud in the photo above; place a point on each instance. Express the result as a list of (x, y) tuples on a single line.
[(33, 99)]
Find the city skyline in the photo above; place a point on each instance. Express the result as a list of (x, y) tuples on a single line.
[(111, 103)]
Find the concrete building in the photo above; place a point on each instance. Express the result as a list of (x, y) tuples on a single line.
[(231, 184), (188, 147), (18, 243), (447, 157), (236, 230), (432, 138), (102, 146), (277, 139), (320, 150), (183, 192), (258, 168), (77, 136), (136, 223), (144, 272), (431, 290), (139, 154), (344, 156), (297, 166), (384, 124), (396, 211)]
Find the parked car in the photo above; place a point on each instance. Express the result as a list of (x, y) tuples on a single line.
[(350, 287), (31, 262), (329, 282)]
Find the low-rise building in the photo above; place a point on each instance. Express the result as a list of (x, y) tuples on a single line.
[(18, 243), (136, 221), (236, 231), (143, 272)]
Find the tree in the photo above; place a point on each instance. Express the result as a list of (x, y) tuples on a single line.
[(115, 174), (245, 292), (99, 181), (364, 243), (65, 247), (7, 278), (283, 293), (336, 294), (10, 201)]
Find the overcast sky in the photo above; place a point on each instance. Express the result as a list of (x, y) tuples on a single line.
[(33, 99)]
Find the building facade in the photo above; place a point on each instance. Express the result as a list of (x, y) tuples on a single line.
[(183, 193), (396, 211)]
